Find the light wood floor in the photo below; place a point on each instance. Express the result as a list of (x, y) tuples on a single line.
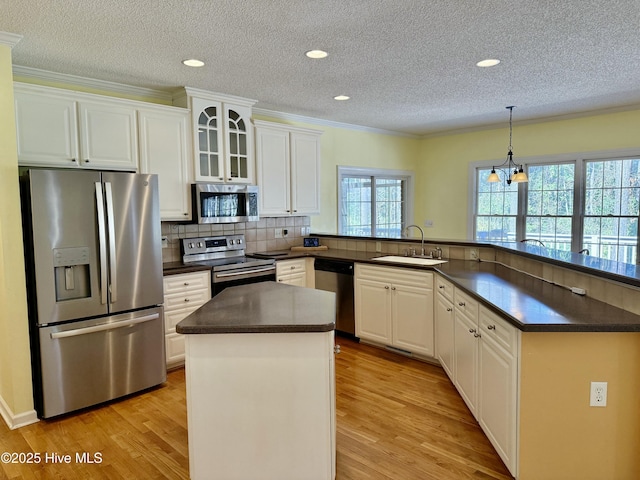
[(397, 419)]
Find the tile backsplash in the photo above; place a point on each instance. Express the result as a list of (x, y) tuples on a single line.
[(259, 236)]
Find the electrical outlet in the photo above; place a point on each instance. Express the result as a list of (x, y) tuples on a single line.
[(428, 223), (165, 241), (473, 253), (278, 233), (285, 232), (378, 246), (598, 397)]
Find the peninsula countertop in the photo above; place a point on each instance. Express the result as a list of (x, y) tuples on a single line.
[(265, 307)]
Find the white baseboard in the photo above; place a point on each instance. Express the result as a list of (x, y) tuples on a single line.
[(13, 420)]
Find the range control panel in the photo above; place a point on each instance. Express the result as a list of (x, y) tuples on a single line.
[(201, 245)]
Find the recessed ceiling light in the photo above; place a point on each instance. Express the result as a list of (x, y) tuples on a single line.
[(316, 54), (341, 97), (489, 62), (192, 62)]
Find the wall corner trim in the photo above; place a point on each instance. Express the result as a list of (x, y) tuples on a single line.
[(13, 420)]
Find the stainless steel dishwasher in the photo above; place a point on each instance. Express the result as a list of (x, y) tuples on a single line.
[(337, 276)]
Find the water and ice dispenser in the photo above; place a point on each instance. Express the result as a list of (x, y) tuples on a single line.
[(72, 274)]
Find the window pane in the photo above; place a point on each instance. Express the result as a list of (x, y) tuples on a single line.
[(372, 206), (612, 203), (550, 205)]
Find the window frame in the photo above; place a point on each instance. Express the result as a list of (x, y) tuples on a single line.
[(406, 175), (580, 161)]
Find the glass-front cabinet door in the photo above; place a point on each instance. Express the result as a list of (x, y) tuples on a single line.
[(223, 142), (239, 161), (207, 119)]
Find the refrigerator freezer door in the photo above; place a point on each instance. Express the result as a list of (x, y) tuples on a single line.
[(134, 240), (65, 246), (93, 361)]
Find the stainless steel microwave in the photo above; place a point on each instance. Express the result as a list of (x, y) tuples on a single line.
[(219, 203)]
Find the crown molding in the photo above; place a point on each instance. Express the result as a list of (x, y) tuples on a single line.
[(180, 93), (10, 39), (75, 80), (292, 117)]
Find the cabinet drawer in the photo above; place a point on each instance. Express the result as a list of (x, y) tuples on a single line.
[(181, 300), (186, 281), (499, 330), (444, 287), (286, 267), (465, 304)]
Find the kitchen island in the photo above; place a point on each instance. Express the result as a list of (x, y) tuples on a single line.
[(261, 384)]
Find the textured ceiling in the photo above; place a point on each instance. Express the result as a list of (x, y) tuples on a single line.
[(408, 65)]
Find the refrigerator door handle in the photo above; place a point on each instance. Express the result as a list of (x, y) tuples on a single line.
[(107, 326), (113, 286), (103, 243)]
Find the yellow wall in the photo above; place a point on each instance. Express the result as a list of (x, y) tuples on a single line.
[(15, 364), (442, 194), (561, 437)]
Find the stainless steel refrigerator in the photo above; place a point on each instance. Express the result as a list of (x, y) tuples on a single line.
[(94, 282)]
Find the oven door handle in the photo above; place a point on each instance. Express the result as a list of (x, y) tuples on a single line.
[(245, 272)]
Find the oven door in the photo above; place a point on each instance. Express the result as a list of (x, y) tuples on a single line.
[(231, 278)]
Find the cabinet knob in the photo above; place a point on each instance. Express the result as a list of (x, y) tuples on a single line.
[(336, 349), (461, 304), (186, 284), (293, 267), (441, 287), (472, 330), (449, 309), (386, 287), (229, 179), (393, 288), (86, 160), (491, 327), (186, 214), (73, 160), (186, 299), (295, 211), (477, 335)]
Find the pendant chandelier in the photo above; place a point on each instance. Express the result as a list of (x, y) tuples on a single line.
[(506, 168)]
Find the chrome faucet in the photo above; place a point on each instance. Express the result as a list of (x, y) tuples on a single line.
[(421, 234)]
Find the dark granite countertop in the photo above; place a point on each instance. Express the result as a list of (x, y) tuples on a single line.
[(175, 268), (533, 305), (266, 307)]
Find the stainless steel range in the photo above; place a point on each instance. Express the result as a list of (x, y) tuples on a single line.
[(226, 257)]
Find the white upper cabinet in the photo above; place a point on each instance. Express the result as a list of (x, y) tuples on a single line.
[(222, 136), (288, 165), (165, 150), (67, 129)]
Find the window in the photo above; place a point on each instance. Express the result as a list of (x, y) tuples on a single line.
[(549, 217), (497, 208), (591, 204), (612, 196), (373, 202)]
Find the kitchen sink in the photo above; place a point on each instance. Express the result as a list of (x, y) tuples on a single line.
[(412, 260)]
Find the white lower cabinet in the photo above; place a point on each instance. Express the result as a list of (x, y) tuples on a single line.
[(183, 293), (394, 306), (465, 348), (297, 272), (444, 324), (498, 382), (480, 353)]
